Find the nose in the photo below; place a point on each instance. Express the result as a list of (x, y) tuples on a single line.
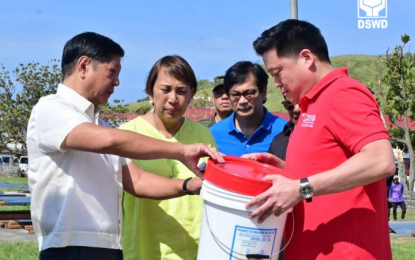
[(173, 97), (225, 96), (278, 83), (116, 81), (242, 99)]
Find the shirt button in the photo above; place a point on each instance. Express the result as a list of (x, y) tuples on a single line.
[(247, 145)]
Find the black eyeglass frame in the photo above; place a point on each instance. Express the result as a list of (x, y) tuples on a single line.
[(248, 94)]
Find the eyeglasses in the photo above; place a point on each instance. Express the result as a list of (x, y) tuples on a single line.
[(288, 105), (248, 94), (219, 94)]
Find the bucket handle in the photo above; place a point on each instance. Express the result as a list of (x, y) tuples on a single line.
[(230, 250)]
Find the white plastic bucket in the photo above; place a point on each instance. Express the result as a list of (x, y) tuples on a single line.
[(228, 232)]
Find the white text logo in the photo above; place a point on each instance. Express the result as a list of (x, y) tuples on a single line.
[(372, 14), (308, 120)]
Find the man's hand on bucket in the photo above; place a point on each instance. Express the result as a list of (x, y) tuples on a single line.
[(266, 158), (191, 154), (283, 195)]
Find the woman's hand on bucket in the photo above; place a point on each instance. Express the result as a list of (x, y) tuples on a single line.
[(266, 158), (283, 195)]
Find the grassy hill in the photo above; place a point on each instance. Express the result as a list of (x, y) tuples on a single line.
[(361, 67)]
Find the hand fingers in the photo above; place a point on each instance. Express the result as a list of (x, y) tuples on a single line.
[(198, 173), (258, 199), (212, 153), (263, 212), (268, 158), (251, 156), (265, 215), (270, 177)]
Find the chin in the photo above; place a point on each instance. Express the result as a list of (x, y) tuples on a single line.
[(245, 114)]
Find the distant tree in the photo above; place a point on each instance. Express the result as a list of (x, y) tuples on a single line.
[(201, 100), (144, 109), (114, 114), (15, 107), (204, 84), (143, 99), (398, 99)]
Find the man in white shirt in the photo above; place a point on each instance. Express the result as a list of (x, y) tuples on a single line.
[(78, 171)]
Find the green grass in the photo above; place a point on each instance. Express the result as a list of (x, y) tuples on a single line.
[(409, 216), (403, 249), (13, 180), (19, 251), (14, 207), (20, 180)]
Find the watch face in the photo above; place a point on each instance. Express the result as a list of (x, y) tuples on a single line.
[(307, 192)]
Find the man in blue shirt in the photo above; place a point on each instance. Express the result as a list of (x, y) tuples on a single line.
[(250, 128)]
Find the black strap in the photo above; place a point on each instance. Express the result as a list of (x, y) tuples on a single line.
[(256, 256), (185, 190)]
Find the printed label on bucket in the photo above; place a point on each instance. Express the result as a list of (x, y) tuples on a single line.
[(248, 240)]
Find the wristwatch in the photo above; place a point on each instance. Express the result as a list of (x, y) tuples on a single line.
[(185, 190), (306, 190)]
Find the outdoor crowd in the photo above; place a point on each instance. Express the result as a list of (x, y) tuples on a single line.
[(129, 193)]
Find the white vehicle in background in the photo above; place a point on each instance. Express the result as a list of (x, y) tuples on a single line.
[(24, 163)]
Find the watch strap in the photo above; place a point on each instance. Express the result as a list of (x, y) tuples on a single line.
[(185, 190)]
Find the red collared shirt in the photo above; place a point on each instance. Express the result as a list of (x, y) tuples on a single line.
[(338, 117)]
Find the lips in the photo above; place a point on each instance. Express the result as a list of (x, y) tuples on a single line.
[(246, 109), (172, 110)]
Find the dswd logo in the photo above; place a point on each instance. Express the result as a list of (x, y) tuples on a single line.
[(372, 14)]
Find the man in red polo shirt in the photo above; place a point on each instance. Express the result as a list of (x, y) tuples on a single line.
[(338, 155)]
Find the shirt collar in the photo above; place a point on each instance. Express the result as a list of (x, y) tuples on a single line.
[(266, 123), (79, 101), (322, 84)]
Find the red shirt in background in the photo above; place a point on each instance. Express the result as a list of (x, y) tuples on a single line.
[(338, 117)]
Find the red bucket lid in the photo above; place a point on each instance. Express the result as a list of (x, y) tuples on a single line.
[(240, 175)]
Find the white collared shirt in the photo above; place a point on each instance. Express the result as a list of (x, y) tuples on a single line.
[(76, 196)]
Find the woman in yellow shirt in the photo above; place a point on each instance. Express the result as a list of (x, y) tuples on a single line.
[(166, 229)]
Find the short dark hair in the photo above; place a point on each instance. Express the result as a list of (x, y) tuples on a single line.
[(175, 66), (290, 37), (95, 46), (239, 73)]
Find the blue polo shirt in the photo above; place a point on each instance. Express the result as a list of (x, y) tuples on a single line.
[(231, 141)]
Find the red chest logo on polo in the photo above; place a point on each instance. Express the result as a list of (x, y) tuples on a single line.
[(308, 120)]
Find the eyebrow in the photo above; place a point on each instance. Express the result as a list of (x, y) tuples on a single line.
[(256, 89)]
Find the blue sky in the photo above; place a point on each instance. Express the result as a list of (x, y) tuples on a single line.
[(210, 35)]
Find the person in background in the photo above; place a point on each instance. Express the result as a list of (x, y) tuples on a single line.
[(280, 142), (396, 195), (338, 155), (78, 168), (221, 103), (166, 229), (251, 127)]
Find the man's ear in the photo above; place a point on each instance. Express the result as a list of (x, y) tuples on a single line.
[(307, 57), (83, 65)]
